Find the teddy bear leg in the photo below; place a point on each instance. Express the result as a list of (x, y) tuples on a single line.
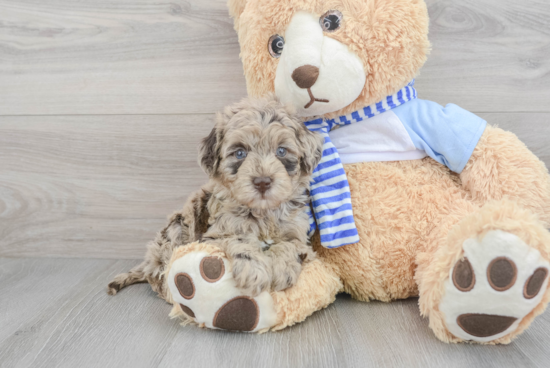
[(316, 288), (502, 167), (202, 290), (487, 279)]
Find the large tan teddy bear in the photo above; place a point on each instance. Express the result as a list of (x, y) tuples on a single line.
[(440, 205)]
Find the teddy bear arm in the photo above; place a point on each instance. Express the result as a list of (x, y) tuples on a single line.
[(502, 167), (316, 289)]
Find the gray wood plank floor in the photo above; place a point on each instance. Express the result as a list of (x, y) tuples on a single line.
[(55, 313)]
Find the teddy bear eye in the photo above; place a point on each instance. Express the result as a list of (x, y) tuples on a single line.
[(281, 152), (330, 21), (275, 45), (240, 154)]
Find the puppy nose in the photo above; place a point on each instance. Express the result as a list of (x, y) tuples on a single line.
[(262, 184), (305, 76)]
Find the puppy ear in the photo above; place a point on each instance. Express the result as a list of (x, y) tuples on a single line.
[(208, 152), (210, 146), (312, 149)]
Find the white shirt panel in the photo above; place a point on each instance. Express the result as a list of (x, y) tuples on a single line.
[(380, 138)]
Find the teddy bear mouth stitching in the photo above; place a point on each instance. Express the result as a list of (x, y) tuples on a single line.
[(313, 99), (305, 77)]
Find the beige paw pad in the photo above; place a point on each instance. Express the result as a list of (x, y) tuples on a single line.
[(498, 282), (203, 288)]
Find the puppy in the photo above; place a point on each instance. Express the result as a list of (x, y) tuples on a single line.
[(259, 158)]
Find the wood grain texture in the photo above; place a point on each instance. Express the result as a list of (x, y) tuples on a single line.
[(102, 186), (117, 57), (94, 186), (144, 57), (55, 313), (489, 55)]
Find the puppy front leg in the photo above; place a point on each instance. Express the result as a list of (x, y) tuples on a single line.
[(286, 263), (251, 268)]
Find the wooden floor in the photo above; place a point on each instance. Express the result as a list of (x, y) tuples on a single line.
[(55, 313), (102, 103)]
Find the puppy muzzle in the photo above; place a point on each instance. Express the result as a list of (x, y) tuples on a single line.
[(262, 184)]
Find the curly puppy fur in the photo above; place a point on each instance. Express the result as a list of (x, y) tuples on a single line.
[(259, 158)]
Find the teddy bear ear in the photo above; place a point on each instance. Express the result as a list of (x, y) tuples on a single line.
[(236, 7)]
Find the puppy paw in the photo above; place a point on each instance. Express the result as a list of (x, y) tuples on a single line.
[(252, 273), (285, 273), (499, 281), (204, 291)]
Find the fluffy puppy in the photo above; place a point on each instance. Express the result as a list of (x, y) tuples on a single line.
[(259, 158)]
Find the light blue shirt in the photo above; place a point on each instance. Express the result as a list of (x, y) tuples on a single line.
[(447, 134)]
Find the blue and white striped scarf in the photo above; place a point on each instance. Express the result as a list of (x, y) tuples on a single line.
[(329, 189)]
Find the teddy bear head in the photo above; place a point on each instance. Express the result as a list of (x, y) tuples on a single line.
[(330, 57)]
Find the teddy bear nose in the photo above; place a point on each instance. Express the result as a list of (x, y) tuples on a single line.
[(262, 184), (305, 76)]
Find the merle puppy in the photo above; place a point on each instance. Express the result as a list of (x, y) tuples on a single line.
[(259, 158)]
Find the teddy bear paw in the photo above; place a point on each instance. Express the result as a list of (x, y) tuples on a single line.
[(203, 288), (498, 282)]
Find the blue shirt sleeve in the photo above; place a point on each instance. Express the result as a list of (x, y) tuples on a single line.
[(447, 134)]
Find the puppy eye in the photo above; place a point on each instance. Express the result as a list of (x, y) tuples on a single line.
[(281, 152), (275, 45), (240, 154), (330, 21)]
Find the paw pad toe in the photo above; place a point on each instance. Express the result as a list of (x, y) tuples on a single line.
[(534, 283), (187, 310), (185, 285), (502, 273), (212, 269), (464, 277)]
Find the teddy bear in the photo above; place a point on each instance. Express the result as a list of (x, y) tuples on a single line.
[(411, 199)]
